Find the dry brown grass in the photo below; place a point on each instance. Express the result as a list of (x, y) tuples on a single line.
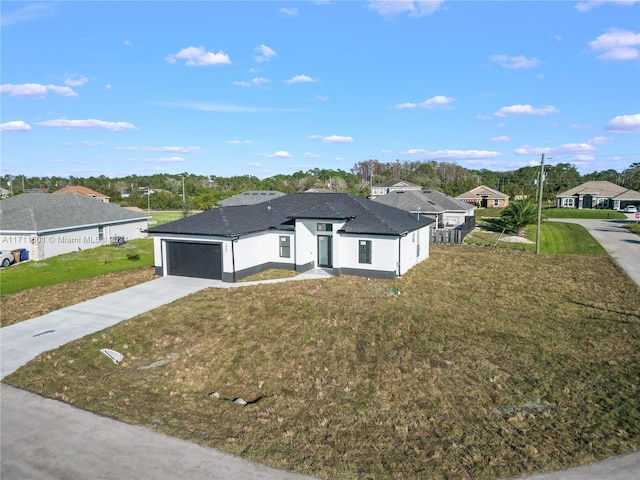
[(31, 303), (486, 364)]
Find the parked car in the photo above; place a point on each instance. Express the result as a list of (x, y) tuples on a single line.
[(6, 259), (630, 209)]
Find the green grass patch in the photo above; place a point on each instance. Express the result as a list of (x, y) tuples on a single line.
[(633, 227), (478, 363), (555, 238), (596, 214), (76, 265), (165, 217)]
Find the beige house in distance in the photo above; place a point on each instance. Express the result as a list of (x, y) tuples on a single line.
[(485, 197), (84, 191)]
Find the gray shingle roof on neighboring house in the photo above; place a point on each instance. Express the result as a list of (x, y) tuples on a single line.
[(426, 201), (363, 216), (251, 198), (46, 212)]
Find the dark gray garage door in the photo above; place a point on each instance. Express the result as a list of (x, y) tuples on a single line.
[(202, 260)]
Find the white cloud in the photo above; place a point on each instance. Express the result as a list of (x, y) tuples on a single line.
[(301, 79), (290, 12), (451, 154), (481, 116), (405, 105), (128, 43), (15, 126), (264, 53), (89, 143), (617, 44), (436, 101), (33, 11), (198, 57), (337, 139), (624, 124), (322, 98), (396, 7), (589, 4), (340, 159), (515, 62), (525, 110), (278, 154), (314, 137), (35, 90), (108, 86), (500, 139), (566, 149), (597, 140), (75, 80), (255, 82), (311, 155), (429, 103), (89, 123), (238, 142), (386, 150), (254, 164)]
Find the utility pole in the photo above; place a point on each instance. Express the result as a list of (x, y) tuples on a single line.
[(184, 203), (540, 184)]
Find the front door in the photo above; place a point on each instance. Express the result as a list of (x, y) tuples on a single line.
[(324, 251)]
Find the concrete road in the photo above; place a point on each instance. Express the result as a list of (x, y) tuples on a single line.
[(44, 439)]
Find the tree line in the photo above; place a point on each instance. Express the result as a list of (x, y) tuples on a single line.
[(202, 192)]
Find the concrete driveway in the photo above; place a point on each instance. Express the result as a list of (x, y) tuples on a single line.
[(46, 439)]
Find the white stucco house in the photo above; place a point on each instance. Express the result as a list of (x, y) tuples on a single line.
[(342, 233), (48, 224)]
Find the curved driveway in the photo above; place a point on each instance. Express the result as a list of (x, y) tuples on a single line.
[(47, 439)]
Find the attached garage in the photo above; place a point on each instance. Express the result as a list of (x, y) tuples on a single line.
[(194, 259)]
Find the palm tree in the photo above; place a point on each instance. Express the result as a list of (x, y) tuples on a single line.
[(519, 214)]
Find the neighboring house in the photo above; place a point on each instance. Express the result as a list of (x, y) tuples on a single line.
[(447, 211), (347, 234), (251, 197), (598, 194), (47, 225), (485, 197), (87, 192), (393, 186)]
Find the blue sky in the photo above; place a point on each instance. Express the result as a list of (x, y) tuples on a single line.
[(263, 88)]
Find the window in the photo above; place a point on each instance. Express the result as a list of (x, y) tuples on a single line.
[(100, 233), (496, 202), (324, 227), (285, 247), (364, 251)]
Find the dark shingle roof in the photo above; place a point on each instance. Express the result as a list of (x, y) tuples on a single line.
[(46, 211), (363, 216)]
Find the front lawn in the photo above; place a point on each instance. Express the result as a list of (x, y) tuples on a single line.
[(555, 238), (478, 363), (596, 214), (76, 265)]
